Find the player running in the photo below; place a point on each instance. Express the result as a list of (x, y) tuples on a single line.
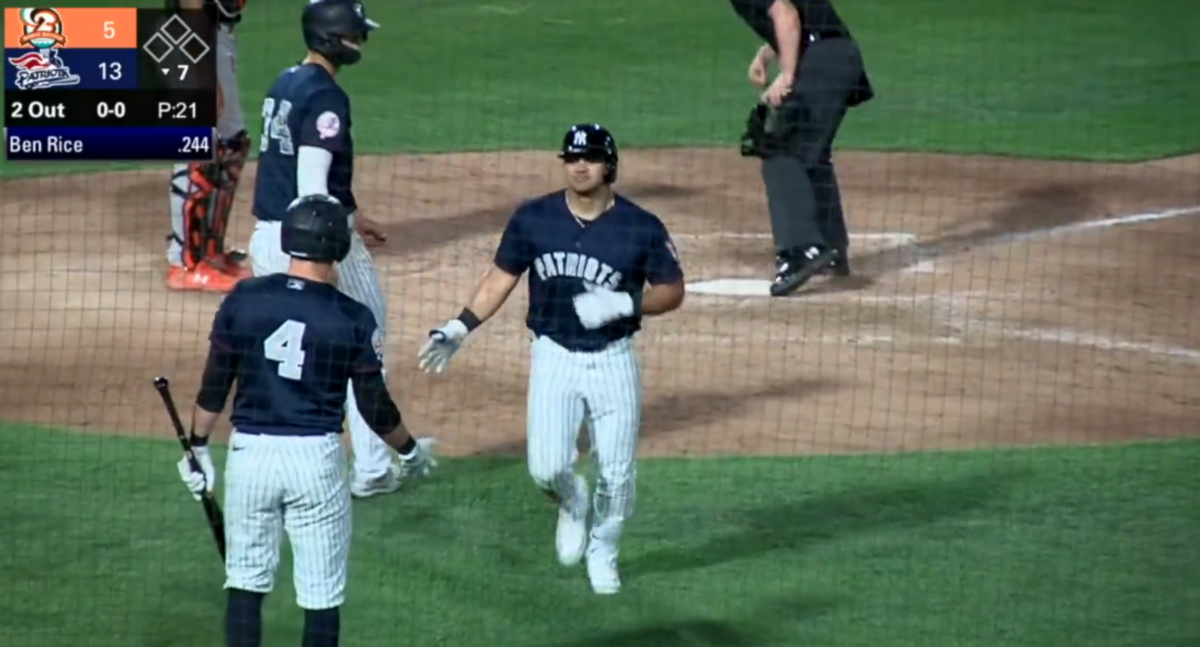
[(292, 341), (307, 149), (590, 253), (202, 193)]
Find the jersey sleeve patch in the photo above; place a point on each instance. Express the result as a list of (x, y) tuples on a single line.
[(328, 125), (377, 343), (671, 248)]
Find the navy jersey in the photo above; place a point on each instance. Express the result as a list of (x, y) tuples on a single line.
[(622, 250), (305, 107), (295, 343)]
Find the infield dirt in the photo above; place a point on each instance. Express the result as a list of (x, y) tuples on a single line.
[(966, 324)]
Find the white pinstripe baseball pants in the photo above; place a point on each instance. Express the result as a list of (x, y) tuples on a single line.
[(604, 390), (288, 484)]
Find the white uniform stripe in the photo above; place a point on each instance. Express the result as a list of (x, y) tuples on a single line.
[(292, 484)]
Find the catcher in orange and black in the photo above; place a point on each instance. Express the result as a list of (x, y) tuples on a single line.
[(202, 192)]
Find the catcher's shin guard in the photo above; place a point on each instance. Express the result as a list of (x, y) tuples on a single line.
[(208, 202)]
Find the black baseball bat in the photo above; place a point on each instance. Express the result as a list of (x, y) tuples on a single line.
[(212, 510)]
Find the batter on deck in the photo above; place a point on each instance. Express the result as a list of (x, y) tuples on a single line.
[(307, 149), (292, 341), (589, 254)]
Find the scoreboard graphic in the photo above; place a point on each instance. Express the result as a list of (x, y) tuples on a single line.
[(110, 84)]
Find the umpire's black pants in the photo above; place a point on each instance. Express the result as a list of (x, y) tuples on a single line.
[(803, 196)]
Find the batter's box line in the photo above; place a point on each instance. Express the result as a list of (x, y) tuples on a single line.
[(964, 325), (929, 265), (897, 239)]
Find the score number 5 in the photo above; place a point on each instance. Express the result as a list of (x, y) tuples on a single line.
[(110, 30)]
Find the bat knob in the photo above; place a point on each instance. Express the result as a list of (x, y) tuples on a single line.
[(160, 382)]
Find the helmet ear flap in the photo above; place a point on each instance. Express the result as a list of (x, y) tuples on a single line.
[(610, 173)]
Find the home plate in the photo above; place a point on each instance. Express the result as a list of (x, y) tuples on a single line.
[(732, 287)]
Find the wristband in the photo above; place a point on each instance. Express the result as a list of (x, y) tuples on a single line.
[(406, 450), (196, 441), (636, 297), (469, 319)]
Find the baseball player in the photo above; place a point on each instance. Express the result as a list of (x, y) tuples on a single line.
[(821, 75), (292, 341), (202, 193), (307, 149), (589, 253)]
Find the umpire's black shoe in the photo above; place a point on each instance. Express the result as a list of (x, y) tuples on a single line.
[(795, 267), (840, 265)]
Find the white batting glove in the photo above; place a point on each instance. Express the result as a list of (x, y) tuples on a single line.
[(599, 306), (443, 343), (198, 482), (421, 461)]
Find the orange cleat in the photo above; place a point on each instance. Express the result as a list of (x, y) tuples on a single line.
[(230, 266), (204, 278)]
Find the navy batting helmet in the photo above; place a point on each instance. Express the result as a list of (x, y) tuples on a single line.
[(316, 228), (591, 142), (336, 29)]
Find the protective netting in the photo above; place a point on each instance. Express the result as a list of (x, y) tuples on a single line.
[(1021, 201)]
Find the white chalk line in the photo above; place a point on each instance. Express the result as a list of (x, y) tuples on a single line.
[(899, 238), (949, 309), (930, 266)]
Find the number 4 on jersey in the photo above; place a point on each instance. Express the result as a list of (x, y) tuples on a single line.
[(284, 346)]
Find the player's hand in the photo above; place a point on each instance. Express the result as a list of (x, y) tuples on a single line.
[(780, 88), (371, 232), (599, 306), (421, 462), (758, 72), (443, 343), (198, 482)]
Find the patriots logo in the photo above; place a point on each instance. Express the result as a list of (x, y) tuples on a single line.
[(42, 69)]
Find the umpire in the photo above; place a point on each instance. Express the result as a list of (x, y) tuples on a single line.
[(820, 76)]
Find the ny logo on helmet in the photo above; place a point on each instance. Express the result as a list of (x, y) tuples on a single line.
[(581, 138)]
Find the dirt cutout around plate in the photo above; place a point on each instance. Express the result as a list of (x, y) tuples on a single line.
[(967, 324)]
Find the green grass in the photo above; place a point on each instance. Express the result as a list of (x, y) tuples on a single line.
[(1102, 79), (1092, 546)]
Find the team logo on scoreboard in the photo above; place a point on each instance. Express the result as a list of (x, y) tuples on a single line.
[(43, 67)]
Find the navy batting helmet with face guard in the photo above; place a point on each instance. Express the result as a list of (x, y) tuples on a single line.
[(316, 228), (336, 29), (592, 143)]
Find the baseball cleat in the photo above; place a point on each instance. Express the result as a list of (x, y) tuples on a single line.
[(572, 536), (386, 484), (795, 267), (602, 568), (202, 278), (230, 264), (840, 265)]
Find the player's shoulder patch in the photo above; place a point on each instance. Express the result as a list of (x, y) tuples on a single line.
[(671, 248), (377, 342), (329, 124)]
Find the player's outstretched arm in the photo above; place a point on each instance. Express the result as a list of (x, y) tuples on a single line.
[(383, 416), (490, 294)]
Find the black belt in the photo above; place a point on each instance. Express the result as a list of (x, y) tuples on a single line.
[(285, 433), (827, 34)]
